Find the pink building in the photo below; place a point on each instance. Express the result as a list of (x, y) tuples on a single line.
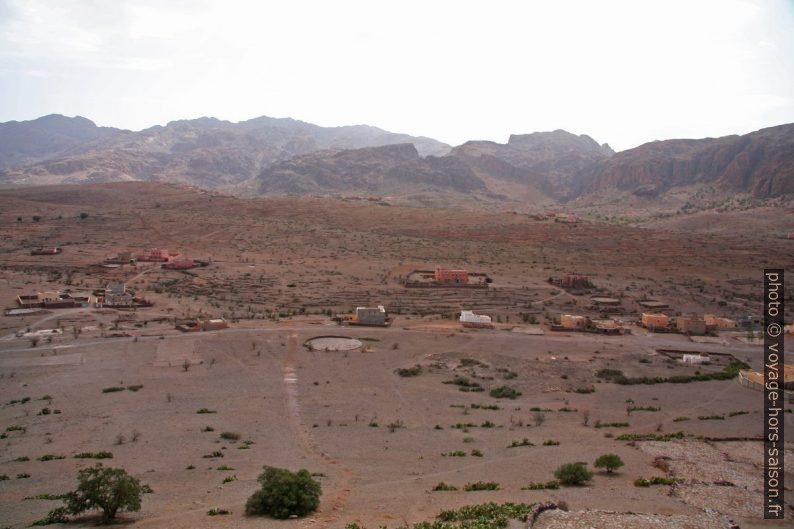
[(451, 275)]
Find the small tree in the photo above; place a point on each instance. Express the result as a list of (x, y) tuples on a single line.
[(284, 494), (108, 489), (573, 474), (609, 461)]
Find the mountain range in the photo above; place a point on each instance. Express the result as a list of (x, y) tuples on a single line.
[(285, 156)]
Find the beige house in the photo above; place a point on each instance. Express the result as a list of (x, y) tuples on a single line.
[(655, 321)]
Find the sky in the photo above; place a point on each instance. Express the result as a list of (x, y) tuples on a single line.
[(622, 72)]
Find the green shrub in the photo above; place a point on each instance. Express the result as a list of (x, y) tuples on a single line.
[(522, 442), (711, 418), (135, 387), (109, 490), (600, 424), (551, 442), (656, 480), (230, 436), (553, 485), (205, 410), (50, 457), (456, 453), (573, 474), (22, 459), (681, 419), (94, 455), (589, 389), (284, 494), (735, 413), (481, 485), (444, 487), (58, 515), (208, 429), (504, 392), (217, 512), (229, 479), (216, 453), (609, 461), (476, 453), (630, 409), (410, 371), (113, 389)]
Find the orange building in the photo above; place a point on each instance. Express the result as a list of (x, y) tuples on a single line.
[(654, 321), (715, 322), (451, 275), (572, 321)]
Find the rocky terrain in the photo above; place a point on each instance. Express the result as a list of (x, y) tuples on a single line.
[(284, 156), (760, 163)]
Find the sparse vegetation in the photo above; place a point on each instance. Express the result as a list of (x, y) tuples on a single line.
[(481, 485), (284, 493), (573, 474), (504, 392)]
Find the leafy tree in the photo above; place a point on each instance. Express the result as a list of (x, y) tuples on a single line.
[(573, 474), (284, 493), (108, 489), (609, 461)]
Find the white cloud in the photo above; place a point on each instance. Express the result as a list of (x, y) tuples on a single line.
[(623, 72)]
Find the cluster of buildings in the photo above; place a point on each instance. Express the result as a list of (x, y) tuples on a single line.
[(53, 300), (693, 325), (574, 322), (572, 281)]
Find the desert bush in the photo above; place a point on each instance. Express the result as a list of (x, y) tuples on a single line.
[(711, 417), (522, 442), (284, 494), (216, 453), (217, 512), (135, 387), (109, 490), (481, 485), (553, 485), (681, 419), (444, 487), (454, 453), (23, 475), (205, 410), (588, 389), (609, 461), (504, 392), (600, 424), (551, 442), (22, 459), (656, 480), (229, 479), (573, 474), (94, 455), (113, 389), (410, 371), (735, 413), (50, 457), (476, 453), (642, 408), (208, 429), (230, 436)]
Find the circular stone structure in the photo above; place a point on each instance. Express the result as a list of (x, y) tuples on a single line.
[(333, 343)]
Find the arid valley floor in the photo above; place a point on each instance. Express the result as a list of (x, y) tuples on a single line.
[(281, 268)]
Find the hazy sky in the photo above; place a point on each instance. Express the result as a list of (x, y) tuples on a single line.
[(622, 72)]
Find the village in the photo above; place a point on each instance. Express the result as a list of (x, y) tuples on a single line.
[(401, 362)]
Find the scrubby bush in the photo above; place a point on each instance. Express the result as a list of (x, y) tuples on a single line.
[(410, 371), (573, 474), (609, 461), (94, 455), (284, 494), (113, 389), (553, 484), (481, 485), (109, 490), (230, 436), (444, 487), (656, 480), (505, 392), (217, 512)]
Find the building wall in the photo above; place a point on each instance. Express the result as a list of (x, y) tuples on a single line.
[(370, 315), (658, 321), (694, 326), (570, 321), (449, 275)]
